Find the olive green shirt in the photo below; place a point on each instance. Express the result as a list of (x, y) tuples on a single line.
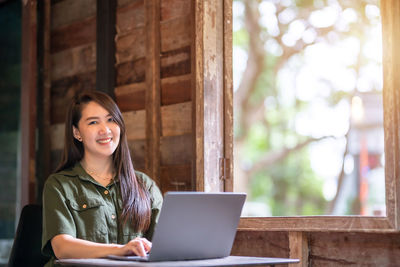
[(76, 204)]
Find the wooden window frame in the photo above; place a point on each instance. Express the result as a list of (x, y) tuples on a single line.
[(208, 173), (390, 12)]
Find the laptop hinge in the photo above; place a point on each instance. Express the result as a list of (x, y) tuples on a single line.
[(224, 169)]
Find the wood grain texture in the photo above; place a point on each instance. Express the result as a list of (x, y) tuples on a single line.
[(176, 178), (135, 122), (176, 63), (176, 150), (73, 61), (131, 72), (175, 33), (70, 11), (76, 34), (131, 97), (298, 247), (176, 119), (153, 84), (130, 16), (137, 149), (63, 90), (171, 9), (57, 133), (131, 46), (261, 244), (176, 89), (354, 249)]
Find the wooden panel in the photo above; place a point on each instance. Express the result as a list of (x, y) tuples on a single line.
[(176, 89), (63, 90), (131, 97), (175, 63), (176, 178), (153, 93), (131, 72), (171, 9), (28, 103), (76, 34), (176, 149), (69, 11), (130, 16), (175, 33), (261, 244), (131, 47), (298, 246), (135, 124), (350, 249), (57, 133), (137, 149), (73, 61), (176, 119)]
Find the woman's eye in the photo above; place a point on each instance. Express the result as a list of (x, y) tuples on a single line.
[(92, 122), (111, 120)]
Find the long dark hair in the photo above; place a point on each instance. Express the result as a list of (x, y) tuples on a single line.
[(135, 199)]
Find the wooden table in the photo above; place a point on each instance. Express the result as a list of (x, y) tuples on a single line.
[(228, 261)]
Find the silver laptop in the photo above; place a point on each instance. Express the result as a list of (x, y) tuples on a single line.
[(194, 225)]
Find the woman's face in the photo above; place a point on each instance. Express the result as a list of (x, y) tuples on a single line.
[(97, 130)]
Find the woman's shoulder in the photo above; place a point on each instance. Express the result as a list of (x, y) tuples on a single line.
[(144, 178), (62, 175)]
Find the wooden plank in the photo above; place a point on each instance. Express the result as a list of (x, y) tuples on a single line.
[(28, 103), (390, 11), (176, 119), (63, 90), (57, 133), (130, 16), (176, 89), (131, 72), (70, 11), (73, 61), (131, 46), (176, 63), (105, 51), (175, 33), (298, 246), (75, 34), (131, 97), (228, 96), (171, 9), (349, 249), (261, 244), (153, 115), (176, 178), (137, 149), (176, 149), (135, 122)]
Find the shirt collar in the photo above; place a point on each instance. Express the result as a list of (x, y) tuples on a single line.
[(83, 175)]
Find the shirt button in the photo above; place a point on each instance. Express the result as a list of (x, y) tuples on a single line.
[(84, 206), (113, 217), (106, 192)]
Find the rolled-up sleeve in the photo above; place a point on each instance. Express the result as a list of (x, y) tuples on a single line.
[(156, 203), (57, 218)]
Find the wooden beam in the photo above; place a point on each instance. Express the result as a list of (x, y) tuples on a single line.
[(298, 246), (43, 163), (208, 47), (105, 46), (153, 91), (28, 103)]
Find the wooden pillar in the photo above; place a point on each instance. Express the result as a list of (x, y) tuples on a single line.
[(153, 88), (298, 245), (28, 104), (208, 95), (105, 46)]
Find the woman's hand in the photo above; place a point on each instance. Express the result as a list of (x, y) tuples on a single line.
[(139, 246)]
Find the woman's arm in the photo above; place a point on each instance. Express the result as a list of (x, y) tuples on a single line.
[(66, 246)]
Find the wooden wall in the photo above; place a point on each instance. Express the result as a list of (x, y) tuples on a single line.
[(73, 69)]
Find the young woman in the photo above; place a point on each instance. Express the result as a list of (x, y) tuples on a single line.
[(96, 204)]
